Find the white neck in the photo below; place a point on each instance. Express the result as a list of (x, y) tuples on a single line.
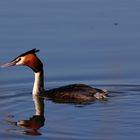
[(38, 86)]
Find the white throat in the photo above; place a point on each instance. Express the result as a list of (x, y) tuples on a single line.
[(38, 86)]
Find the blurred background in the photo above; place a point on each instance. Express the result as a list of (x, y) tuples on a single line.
[(95, 42), (78, 40)]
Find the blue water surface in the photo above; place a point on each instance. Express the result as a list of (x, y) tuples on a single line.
[(95, 42)]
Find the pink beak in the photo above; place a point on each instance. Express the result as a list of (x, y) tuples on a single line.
[(9, 64)]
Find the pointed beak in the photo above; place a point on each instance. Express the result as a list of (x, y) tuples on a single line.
[(9, 64)]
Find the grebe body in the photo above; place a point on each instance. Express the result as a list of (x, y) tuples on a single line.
[(74, 93)]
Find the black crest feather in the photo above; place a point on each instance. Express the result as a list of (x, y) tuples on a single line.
[(33, 51)]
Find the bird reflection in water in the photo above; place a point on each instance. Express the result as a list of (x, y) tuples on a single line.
[(33, 124)]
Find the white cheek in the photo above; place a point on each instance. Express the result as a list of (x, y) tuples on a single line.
[(18, 63), (21, 62)]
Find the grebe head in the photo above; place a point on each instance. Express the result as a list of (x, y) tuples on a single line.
[(29, 59)]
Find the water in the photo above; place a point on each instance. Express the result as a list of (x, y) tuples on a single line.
[(95, 42)]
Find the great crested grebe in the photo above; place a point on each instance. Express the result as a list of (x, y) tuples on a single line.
[(74, 93)]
